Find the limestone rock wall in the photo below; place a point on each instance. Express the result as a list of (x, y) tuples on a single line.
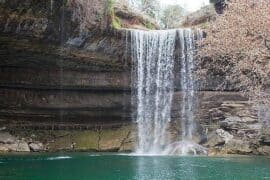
[(51, 74)]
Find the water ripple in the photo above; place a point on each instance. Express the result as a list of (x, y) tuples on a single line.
[(59, 158)]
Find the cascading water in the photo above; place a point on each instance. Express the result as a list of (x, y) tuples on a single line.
[(186, 146), (153, 56), (51, 5), (187, 40)]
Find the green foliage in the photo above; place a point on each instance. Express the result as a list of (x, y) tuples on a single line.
[(149, 25), (110, 6), (116, 23)]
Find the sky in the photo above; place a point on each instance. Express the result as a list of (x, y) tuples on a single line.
[(189, 5)]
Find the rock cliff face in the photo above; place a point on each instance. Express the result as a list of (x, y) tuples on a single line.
[(200, 17), (56, 77), (66, 89)]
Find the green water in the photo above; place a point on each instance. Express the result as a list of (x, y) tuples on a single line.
[(111, 167)]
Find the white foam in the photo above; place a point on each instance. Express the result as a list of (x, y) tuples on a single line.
[(184, 148), (59, 158), (94, 155)]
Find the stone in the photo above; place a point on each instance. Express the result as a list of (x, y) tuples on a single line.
[(264, 150), (112, 140), (199, 17), (233, 122), (250, 120), (224, 135), (233, 119), (6, 138), (214, 140), (3, 128), (216, 115), (18, 146), (22, 146), (265, 140), (218, 138), (256, 126), (3, 148), (129, 143), (36, 147), (235, 146)]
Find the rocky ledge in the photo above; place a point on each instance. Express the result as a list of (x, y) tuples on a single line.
[(119, 139)]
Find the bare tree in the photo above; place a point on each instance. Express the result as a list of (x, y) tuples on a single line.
[(150, 7), (238, 45), (172, 16)]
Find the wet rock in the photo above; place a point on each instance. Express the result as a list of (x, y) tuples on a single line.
[(115, 140), (3, 148), (264, 150), (36, 147), (265, 140), (214, 140), (6, 138), (234, 122), (129, 143), (235, 146), (18, 146), (224, 135), (10, 143), (22, 146), (256, 126), (216, 115), (218, 138)]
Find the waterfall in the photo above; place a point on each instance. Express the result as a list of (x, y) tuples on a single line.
[(187, 40), (153, 55), (51, 5)]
